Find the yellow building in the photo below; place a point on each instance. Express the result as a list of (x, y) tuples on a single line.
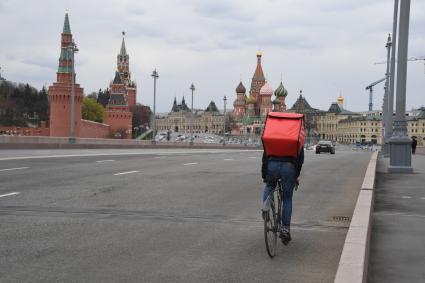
[(363, 129), (327, 124)]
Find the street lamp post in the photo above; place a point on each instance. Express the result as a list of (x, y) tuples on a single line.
[(385, 110), (400, 143), (72, 49), (192, 88), (155, 76), (224, 123), (389, 129)]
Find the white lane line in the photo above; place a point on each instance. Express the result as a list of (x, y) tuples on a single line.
[(125, 173), (126, 153), (10, 194), (193, 163), (158, 157), (108, 160), (406, 197), (11, 169), (227, 159), (253, 157), (423, 198)]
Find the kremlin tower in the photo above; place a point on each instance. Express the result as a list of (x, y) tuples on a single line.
[(123, 97), (123, 61), (60, 91)]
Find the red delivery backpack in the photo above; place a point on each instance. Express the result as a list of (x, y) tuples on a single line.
[(283, 134)]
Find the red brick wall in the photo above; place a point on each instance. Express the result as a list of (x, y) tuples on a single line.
[(119, 120), (24, 131), (90, 129)]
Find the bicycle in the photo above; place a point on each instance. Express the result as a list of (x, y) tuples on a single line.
[(272, 216)]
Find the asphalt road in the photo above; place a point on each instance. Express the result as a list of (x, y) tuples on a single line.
[(167, 216)]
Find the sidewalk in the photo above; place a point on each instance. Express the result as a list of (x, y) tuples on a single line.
[(397, 249)]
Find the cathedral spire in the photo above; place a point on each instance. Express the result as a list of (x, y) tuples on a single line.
[(258, 74)]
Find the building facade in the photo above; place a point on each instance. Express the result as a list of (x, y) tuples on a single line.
[(179, 119)]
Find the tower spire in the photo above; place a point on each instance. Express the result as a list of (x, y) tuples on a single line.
[(123, 51), (66, 26), (259, 75)]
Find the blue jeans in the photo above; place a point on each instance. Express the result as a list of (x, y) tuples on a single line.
[(287, 172)]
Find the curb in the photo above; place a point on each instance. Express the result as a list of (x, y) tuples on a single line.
[(353, 263)]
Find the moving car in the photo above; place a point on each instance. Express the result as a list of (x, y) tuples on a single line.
[(325, 146)]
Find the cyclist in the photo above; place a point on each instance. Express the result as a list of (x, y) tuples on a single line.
[(288, 170)]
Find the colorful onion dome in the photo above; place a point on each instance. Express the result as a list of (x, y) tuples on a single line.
[(266, 90), (240, 88), (281, 91), (250, 100)]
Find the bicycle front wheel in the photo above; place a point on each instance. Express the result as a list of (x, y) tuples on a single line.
[(270, 228)]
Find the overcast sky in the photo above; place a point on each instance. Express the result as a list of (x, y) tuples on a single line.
[(323, 47)]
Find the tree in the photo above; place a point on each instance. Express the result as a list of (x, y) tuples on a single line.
[(141, 117), (103, 97), (93, 111), (21, 104)]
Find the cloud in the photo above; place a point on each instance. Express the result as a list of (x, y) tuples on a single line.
[(322, 47)]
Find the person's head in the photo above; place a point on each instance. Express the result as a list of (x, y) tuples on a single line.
[(414, 138)]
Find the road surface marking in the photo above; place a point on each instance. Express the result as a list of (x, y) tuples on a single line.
[(158, 157), (228, 159), (406, 197), (123, 153), (125, 173), (9, 194), (108, 160), (11, 169), (193, 163), (253, 157), (423, 198)]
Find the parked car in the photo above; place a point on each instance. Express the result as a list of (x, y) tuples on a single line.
[(325, 146)]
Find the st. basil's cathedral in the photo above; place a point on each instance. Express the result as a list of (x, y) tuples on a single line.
[(250, 111)]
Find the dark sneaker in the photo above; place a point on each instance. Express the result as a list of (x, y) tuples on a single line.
[(285, 235)]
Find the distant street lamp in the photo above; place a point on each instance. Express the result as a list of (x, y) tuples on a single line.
[(154, 76), (72, 49), (192, 88), (224, 127)]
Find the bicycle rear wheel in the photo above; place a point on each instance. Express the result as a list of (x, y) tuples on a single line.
[(270, 227)]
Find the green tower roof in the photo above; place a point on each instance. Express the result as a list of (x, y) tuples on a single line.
[(281, 91), (66, 27)]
